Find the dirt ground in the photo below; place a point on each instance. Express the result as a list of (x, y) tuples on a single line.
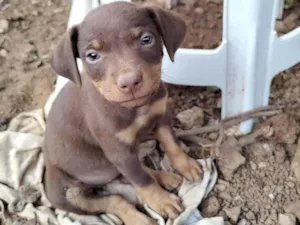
[(34, 26), (262, 187)]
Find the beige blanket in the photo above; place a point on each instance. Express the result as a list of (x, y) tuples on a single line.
[(22, 198)]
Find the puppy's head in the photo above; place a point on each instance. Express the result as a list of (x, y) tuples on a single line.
[(121, 46)]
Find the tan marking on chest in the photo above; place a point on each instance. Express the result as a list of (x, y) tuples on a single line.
[(129, 134)]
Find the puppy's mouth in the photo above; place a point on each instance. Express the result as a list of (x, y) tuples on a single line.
[(136, 102)]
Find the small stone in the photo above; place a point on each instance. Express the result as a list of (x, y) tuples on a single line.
[(291, 150), (237, 198), (233, 213), (296, 163), (268, 206), (243, 222), (262, 165), (253, 165), (199, 11), (190, 118), (220, 187), (286, 219), (58, 10), (261, 149), (230, 157), (225, 195), (280, 155), (3, 53), (2, 40), (210, 207), (35, 64), (250, 215), (289, 21), (267, 188), (293, 208), (4, 24), (298, 190), (17, 15), (280, 27), (3, 124), (271, 196), (224, 182), (219, 102), (273, 214), (223, 214), (269, 221), (215, 1), (291, 184)]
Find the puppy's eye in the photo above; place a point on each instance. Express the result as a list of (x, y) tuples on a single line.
[(147, 39), (92, 56)]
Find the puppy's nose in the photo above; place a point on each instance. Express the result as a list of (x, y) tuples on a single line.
[(129, 83)]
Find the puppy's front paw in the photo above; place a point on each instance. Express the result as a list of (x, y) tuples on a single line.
[(138, 218), (170, 181), (186, 166), (164, 203)]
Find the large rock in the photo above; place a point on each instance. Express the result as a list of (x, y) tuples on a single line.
[(286, 219), (190, 118), (230, 157), (284, 127), (293, 208)]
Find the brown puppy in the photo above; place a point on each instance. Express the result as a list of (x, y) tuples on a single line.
[(98, 120)]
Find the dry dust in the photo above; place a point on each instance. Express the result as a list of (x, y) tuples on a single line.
[(34, 27)]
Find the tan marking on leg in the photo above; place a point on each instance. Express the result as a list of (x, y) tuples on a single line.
[(164, 203), (180, 161), (112, 204), (168, 180), (166, 138)]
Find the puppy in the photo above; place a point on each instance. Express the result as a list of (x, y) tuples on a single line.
[(98, 119)]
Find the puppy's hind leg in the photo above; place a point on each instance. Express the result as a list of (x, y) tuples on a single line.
[(112, 204), (73, 196)]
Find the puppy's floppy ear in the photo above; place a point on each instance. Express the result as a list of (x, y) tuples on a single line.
[(171, 27), (65, 54)]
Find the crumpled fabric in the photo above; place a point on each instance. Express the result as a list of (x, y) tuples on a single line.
[(22, 196)]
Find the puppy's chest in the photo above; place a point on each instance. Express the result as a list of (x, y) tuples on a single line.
[(144, 121)]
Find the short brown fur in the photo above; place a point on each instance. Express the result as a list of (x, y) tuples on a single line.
[(99, 119)]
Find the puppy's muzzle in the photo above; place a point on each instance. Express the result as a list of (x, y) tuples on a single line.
[(130, 83)]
